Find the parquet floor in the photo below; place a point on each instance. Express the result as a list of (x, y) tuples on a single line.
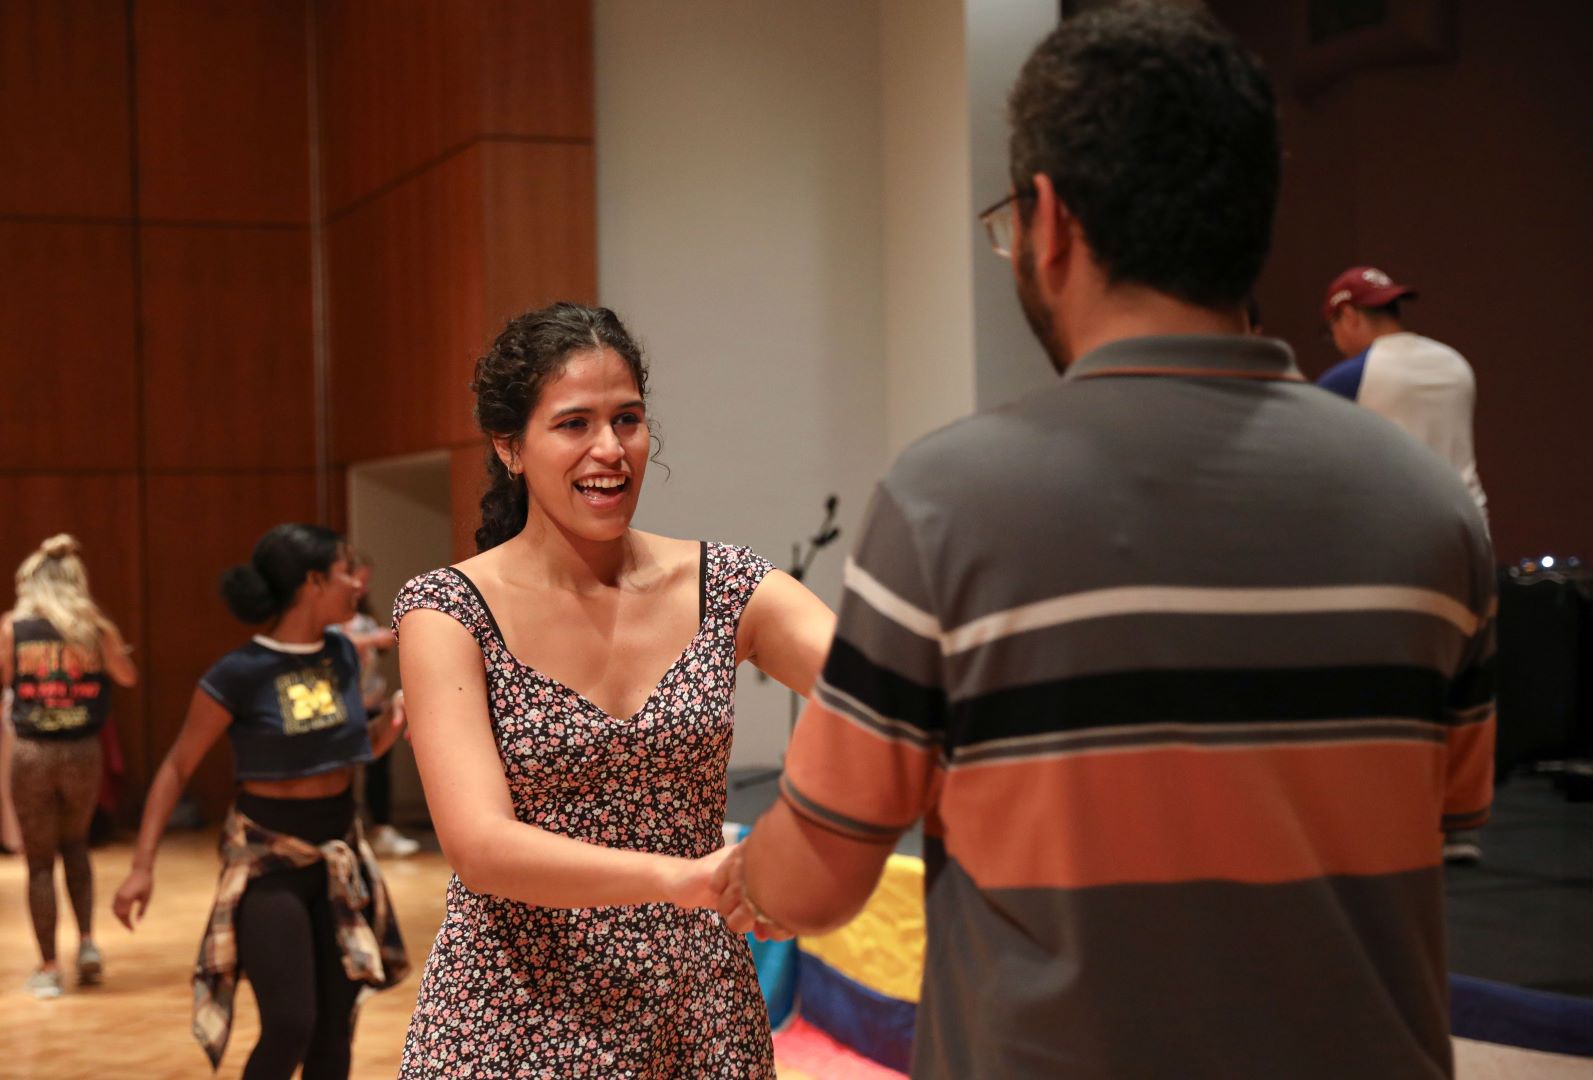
[(135, 1025)]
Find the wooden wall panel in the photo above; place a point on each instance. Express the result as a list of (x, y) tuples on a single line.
[(228, 349), (1357, 191), (101, 510), (403, 84), (198, 525), (541, 228), (223, 110), (537, 56), (400, 83), (66, 348), (63, 108), (405, 274)]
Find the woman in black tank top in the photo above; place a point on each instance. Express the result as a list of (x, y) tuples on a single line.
[(293, 854), (58, 655)]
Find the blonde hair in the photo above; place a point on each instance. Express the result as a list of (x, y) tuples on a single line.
[(53, 585)]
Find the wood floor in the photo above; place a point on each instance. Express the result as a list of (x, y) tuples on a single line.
[(135, 1025)]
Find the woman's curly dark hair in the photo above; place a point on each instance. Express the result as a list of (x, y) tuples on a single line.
[(533, 348)]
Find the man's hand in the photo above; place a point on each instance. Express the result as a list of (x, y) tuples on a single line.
[(738, 910)]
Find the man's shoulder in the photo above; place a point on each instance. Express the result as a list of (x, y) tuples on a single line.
[(1411, 344), (971, 446), (1344, 377)]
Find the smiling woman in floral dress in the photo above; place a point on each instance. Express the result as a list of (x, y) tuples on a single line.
[(571, 696)]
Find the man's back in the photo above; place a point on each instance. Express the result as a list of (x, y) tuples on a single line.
[(1201, 690), (1428, 389)]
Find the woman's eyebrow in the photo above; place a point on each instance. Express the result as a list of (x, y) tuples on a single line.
[(577, 409)]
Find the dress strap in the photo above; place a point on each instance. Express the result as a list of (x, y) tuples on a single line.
[(702, 581)]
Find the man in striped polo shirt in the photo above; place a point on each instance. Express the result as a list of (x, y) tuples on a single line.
[(1183, 662)]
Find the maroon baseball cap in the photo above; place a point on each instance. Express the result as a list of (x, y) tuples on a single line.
[(1363, 286)]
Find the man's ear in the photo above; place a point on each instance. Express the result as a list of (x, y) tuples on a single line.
[(1050, 226)]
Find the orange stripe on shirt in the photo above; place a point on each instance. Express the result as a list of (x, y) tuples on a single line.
[(1267, 814), (1470, 773), (855, 772)]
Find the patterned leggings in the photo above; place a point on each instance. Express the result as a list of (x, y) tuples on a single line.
[(54, 783)]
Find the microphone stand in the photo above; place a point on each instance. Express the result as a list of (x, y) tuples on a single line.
[(801, 559)]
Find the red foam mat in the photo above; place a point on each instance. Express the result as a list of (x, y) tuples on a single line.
[(803, 1052)]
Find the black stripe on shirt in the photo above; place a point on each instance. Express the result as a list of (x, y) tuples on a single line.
[(882, 690), (1272, 695)]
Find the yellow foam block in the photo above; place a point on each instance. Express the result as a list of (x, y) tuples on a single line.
[(883, 948)]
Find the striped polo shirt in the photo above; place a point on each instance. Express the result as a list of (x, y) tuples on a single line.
[(1186, 665)]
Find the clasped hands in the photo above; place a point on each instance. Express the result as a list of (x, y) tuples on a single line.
[(730, 898)]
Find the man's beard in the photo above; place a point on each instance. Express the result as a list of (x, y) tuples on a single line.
[(1035, 311)]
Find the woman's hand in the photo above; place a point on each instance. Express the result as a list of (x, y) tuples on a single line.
[(395, 707), (689, 882), (132, 898)]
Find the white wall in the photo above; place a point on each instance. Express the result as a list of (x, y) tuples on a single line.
[(739, 222), (413, 491), (1001, 34), (928, 288)]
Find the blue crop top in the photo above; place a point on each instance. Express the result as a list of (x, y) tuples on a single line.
[(296, 710)]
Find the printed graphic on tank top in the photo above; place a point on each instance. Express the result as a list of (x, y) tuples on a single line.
[(61, 690)]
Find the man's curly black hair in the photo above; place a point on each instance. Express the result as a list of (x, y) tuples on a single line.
[(1159, 132)]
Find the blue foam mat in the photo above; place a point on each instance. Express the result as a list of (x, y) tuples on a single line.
[(1513, 1016)]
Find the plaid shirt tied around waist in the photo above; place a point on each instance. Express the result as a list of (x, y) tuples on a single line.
[(367, 930)]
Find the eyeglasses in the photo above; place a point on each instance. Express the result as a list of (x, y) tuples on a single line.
[(998, 223)]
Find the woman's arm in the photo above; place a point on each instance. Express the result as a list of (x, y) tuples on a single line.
[(205, 723), (446, 700), (6, 640), (117, 656), (786, 631), (386, 725)]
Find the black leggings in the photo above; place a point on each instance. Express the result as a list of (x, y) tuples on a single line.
[(287, 948)]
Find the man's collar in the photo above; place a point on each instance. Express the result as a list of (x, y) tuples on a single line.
[(1222, 356)]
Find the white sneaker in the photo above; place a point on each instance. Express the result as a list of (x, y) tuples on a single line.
[(44, 984), (90, 965), (388, 841)]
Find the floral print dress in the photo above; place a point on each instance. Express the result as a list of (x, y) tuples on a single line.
[(644, 992)]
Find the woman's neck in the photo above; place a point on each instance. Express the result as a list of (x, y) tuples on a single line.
[(564, 560), (297, 626)]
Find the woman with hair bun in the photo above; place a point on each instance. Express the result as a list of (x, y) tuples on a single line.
[(59, 654), (301, 908), (571, 695)]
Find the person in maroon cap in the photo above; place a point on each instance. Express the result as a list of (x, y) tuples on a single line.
[(1422, 385)]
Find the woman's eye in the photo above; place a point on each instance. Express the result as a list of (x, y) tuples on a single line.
[(629, 419), (574, 423)]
